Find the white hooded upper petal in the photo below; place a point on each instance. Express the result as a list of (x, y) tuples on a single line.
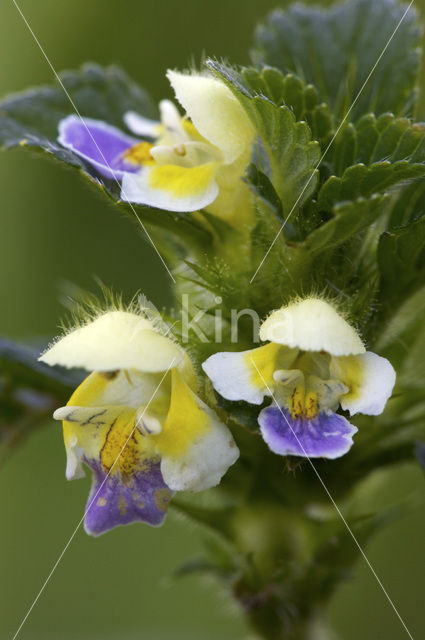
[(370, 380), (215, 112), (115, 340), (312, 325), (205, 461)]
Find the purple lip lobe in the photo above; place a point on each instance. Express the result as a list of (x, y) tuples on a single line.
[(143, 496), (99, 144), (326, 436)]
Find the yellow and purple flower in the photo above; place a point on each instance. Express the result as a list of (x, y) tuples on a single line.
[(186, 163), (136, 421), (313, 363)]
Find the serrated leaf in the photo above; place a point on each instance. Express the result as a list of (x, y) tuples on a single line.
[(335, 49), (291, 153), (401, 259), (372, 140), (289, 90), (348, 219), (390, 138), (32, 117), (345, 149), (362, 181)]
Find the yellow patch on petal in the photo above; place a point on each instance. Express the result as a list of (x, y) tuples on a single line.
[(182, 181), (140, 154), (86, 394), (106, 433), (122, 443), (186, 422), (263, 363), (350, 370), (92, 388)]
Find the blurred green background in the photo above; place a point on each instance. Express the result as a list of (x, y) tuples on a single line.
[(55, 230)]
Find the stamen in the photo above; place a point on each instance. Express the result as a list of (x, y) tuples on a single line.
[(297, 403), (311, 405), (303, 405)]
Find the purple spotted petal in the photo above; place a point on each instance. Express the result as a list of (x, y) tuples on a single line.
[(326, 436), (144, 497), (100, 144)]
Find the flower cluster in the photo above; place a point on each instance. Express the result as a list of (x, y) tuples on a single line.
[(181, 163), (292, 225), (137, 422)]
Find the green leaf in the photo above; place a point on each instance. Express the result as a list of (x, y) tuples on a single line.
[(398, 338), (373, 156), (404, 324), (29, 392), (409, 205), (31, 118), (243, 413), (216, 520), (362, 181), (289, 90), (202, 566), (389, 138), (412, 374), (401, 258), (263, 189), (372, 140), (335, 49), (344, 149), (292, 156), (349, 218)]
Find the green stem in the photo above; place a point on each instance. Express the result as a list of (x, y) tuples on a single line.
[(271, 619)]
